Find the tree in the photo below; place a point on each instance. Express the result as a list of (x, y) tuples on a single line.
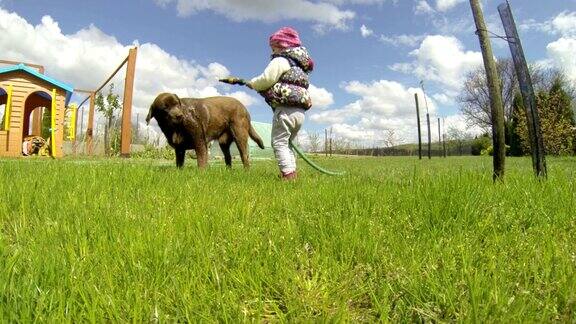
[(513, 139), (564, 104), (474, 99), (390, 138), (480, 144), (457, 139), (314, 141), (556, 122), (46, 122), (107, 107)]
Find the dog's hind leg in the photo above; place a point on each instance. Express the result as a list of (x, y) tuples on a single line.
[(225, 141), (241, 138)]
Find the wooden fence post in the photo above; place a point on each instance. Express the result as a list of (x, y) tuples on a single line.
[(496, 107), (126, 133), (89, 128), (419, 131)]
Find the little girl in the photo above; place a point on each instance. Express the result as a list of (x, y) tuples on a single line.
[(284, 85)]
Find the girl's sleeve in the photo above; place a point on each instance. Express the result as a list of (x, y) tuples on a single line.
[(271, 74)]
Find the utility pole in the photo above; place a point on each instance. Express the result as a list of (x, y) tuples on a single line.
[(428, 122), (527, 90), (419, 132), (496, 107)]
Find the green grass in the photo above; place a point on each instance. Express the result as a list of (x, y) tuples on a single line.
[(396, 239)]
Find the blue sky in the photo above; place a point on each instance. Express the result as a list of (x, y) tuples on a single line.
[(370, 54)]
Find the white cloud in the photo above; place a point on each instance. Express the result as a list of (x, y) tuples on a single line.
[(445, 5), (561, 51), (441, 59), (86, 58), (459, 122), (325, 15), (423, 7), (244, 97), (565, 23), (444, 99), (384, 110), (562, 54), (321, 98), (361, 2), (365, 31), (383, 106), (406, 40)]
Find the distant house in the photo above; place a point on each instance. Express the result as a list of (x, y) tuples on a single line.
[(25, 92)]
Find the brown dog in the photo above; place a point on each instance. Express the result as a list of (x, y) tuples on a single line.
[(191, 123)]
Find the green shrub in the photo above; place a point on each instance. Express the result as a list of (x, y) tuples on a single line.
[(152, 152), (480, 144)]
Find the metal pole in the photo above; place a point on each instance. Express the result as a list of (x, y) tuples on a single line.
[(496, 106), (419, 131), (439, 139), (527, 90), (429, 136), (444, 136), (427, 121)]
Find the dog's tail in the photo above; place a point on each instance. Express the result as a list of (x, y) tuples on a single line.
[(255, 137)]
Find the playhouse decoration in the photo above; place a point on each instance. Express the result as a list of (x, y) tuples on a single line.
[(25, 92)]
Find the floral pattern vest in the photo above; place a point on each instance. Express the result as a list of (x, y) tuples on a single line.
[(291, 90)]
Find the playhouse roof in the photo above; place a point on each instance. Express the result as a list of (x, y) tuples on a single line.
[(21, 67)]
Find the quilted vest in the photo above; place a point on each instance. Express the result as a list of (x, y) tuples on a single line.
[(291, 90)]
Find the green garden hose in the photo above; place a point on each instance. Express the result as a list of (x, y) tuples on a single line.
[(314, 165)]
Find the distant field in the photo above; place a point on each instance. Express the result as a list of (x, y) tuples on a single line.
[(396, 239)]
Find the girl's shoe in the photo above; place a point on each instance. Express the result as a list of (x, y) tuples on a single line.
[(289, 176)]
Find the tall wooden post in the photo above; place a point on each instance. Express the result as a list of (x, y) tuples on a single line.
[(527, 90), (439, 139), (427, 121), (429, 136), (89, 127), (419, 132), (81, 122), (496, 107), (126, 134), (326, 142), (444, 137), (330, 142)]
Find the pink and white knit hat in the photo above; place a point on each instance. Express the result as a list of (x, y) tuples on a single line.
[(285, 37)]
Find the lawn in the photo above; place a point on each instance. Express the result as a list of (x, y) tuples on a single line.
[(396, 239)]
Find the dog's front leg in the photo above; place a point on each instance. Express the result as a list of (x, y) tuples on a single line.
[(180, 155), (202, 154)]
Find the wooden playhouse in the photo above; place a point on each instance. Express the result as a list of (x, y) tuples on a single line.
[(25, 94)]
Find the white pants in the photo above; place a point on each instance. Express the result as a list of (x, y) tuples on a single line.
[(285, 126)]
